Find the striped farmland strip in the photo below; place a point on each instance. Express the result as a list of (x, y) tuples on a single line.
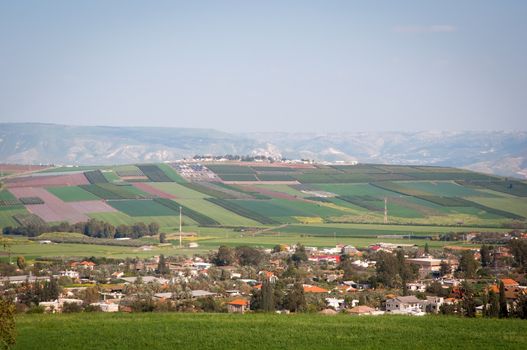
[(194, 215), (237, 209)]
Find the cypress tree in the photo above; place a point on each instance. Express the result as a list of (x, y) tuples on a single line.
[(504, 312)]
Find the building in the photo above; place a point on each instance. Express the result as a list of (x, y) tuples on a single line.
[(69, 273), (107, 307), (408, 304), (314, 289), (362, 310), (238, 306), (426, 265), (433, 304)]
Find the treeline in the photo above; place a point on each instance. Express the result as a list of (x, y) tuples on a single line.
[(93, 228)]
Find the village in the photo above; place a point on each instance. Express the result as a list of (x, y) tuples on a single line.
[(384, 278)]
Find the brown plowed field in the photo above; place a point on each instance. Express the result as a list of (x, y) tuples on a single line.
[(152, 190), (87, 207), (53, 208), (48, 181)]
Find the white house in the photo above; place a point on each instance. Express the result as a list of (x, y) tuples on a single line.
[(433, 304), (337, 304), (69, 273), (107, 307), (416, 287), (408, 304)]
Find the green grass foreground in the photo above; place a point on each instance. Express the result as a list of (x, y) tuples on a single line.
[(261, 331)]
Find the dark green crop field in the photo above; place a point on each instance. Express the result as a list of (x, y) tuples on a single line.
[(263, 331)]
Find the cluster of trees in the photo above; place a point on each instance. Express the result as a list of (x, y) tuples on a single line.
[(494, 304), (242, 255), (92, 228), (393, 272), (276, 296), (468, 266), (36, 292), (518, 249)]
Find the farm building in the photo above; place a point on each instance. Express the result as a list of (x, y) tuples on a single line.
[(238, 306)]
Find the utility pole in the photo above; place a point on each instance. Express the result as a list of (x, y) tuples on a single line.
[(385, 210), (180, 223)]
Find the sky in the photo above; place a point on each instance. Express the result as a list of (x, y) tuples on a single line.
[(296, 66)]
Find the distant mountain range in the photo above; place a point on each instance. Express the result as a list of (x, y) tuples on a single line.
[(496, 152)]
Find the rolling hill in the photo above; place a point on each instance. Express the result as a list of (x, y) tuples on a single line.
[(260, 194), (503, 153)]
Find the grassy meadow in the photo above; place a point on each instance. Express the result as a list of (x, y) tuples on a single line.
[(264, 331)]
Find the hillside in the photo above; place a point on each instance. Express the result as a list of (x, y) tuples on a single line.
[(503, 153), (263, 195), (308, 331)]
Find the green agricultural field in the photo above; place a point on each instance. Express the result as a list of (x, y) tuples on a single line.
[(268, 331), (166, 223), (222, 215), (269, 240), (284, 189), (6, 216), (65, 169), (111, 176), (238, 177), (171, 173), (369, 229), (445, 188), (221, 169), (275, 177), (139, 207), (510, 204), (178, 190), (354, 190), (72, 194)]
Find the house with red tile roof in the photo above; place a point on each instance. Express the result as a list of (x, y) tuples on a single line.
[(314, 289), (238, 306)]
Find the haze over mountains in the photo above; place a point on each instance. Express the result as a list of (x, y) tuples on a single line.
[(496, 152)]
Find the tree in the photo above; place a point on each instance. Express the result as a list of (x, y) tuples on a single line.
[(153, 228), (225, 256), (267, 296), (162, 267), (504, 312), (521, 307), (71, 308), (248, 256), (21, 262), (162, 237), (387, 269), (299, 255), (518, 249), (427, 249), (494, 307), (91, 295), (469, 305), (7, 324), (467, 264), (485, 255), (295, 300), (444, 268)]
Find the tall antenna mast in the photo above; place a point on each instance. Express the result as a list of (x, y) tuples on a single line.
[(385, 210), (180, 226)]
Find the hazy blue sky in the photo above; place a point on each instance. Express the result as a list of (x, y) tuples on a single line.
[(266, 65)]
